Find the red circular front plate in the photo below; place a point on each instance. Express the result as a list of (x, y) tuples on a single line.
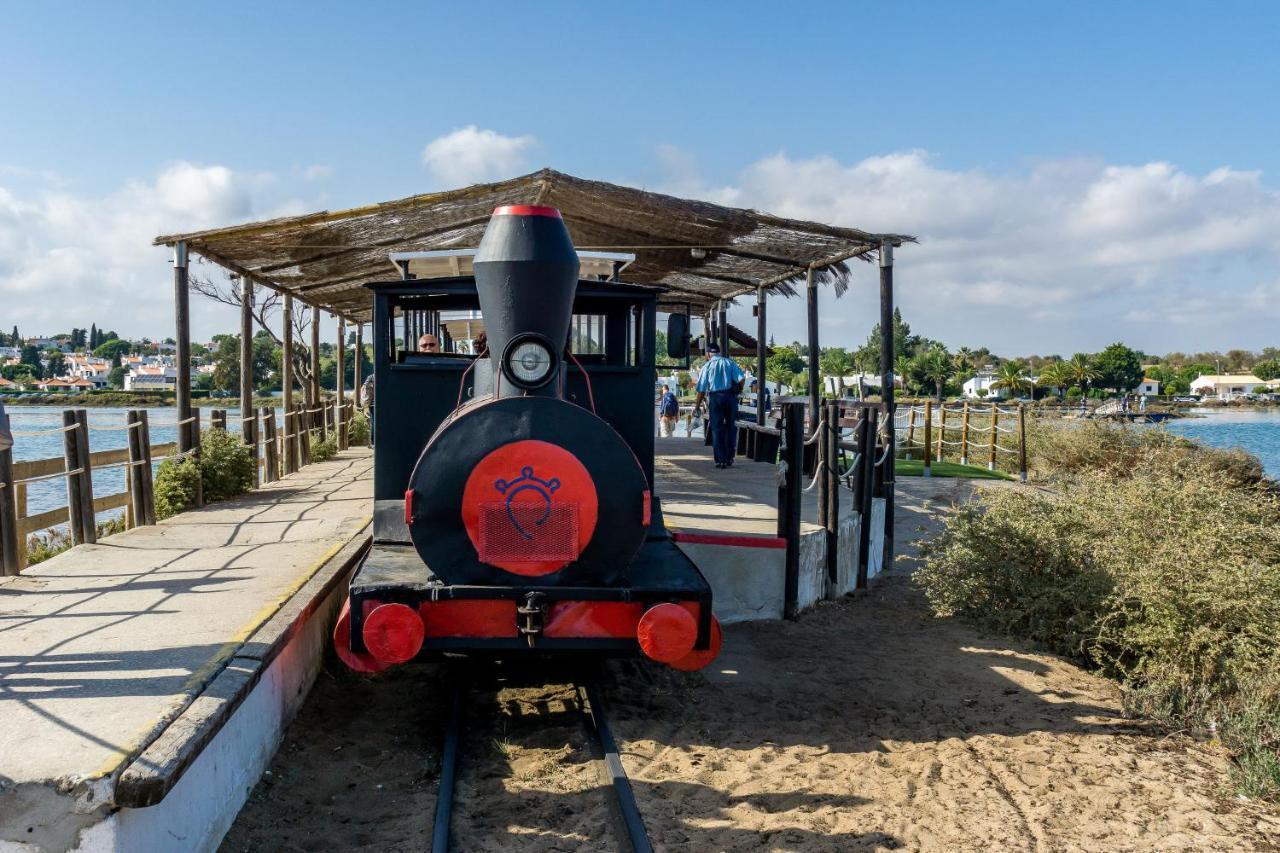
[(393, 633), (697, 659), (667, 632), (530, 508)]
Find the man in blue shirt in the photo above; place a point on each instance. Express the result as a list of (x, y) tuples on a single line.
[(720, 383)]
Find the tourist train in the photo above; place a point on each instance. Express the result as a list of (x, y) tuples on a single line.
[(514, 510)]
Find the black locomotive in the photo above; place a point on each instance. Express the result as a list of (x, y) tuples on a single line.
[(514, 508)]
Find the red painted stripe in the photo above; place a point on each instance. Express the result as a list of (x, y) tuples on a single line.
[(526, 210), (732, 541)]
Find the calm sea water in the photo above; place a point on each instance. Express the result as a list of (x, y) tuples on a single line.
[(1255, 430), (35, 437)]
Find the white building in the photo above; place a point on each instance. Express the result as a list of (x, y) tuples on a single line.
[(980, 384), (1147, 388), (151, 378), (1226, 386)]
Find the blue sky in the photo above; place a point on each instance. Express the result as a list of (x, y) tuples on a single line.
[(1077, 173)]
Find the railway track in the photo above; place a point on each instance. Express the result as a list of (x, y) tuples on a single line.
[(633, 835)]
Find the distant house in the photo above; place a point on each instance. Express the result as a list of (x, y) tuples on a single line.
[(8, 385), (980, 384), (1147, 388), (151, 378), (64, 384), (1226, 386)]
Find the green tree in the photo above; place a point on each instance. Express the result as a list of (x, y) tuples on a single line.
[(1267, 370), (112, 350), (785, 358), (116, 377), (1119, 368), (31, 357), (1081, 370), (1011, 376), (226, 361), (904, 343), (54, 363), (1056, 375), (936, 366), (20, 373), (837, 362)]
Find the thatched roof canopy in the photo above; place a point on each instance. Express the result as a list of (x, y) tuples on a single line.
[(701, 252)]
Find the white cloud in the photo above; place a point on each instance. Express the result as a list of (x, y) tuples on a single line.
[(69, 260), (316, 172), (1067, 255), (470, 155)]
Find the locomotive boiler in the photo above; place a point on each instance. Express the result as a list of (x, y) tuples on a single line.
[(514, 509)]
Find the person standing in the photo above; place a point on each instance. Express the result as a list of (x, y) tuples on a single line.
[(668, 411), (720, 383)]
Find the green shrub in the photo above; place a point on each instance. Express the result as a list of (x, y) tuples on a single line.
[(322, 451), (227, 466), (175, 486), (358, 430), (1157, 562)]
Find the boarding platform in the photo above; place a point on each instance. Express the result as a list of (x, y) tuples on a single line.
[(145, 680)]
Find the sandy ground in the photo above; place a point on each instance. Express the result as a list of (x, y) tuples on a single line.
[(866, 725)]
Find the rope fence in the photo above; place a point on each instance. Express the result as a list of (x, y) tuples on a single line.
[(983, 434)]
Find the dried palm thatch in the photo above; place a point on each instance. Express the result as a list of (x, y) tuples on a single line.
[(700, 252)]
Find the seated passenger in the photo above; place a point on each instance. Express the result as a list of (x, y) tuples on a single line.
[(428, 343)]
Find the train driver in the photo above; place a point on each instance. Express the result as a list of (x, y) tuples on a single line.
[(428, 343)]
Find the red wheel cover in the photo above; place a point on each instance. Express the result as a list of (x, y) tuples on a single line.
[(529, 507)]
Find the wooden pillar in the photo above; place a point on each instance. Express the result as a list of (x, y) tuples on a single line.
[(1022, 442), (271, 456), (312, 419), (790, 507), (964, 433), (248, 418), (886, 390), (911, 430), (218, 419), (995, 432), (811, 297), (182, 334), (341, 401), (10, 548), (942, 433), (286, 387), (148, 475), (833, 491), (761, 359), (928, 438), (136, 479), (357, 390), (866, 492)]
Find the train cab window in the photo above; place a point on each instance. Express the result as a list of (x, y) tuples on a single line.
[(587, 335)]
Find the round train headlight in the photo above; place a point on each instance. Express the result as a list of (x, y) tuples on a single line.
[(529, 362)]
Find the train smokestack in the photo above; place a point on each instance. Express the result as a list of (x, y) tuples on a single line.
[(526, 275)]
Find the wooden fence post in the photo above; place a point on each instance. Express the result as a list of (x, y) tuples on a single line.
[(1022, 442), (867, 478), (194, 428), (148, 475), (271, 448), (995, 431), (10, 561), (939, 456), (964, 434), (304, 448), (911, 429), (136, 479), (218, 419), (928, 437), (71, 462), (793, 490), (833, 490)]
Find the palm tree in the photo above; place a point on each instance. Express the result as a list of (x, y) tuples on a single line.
[(902, 371), (779, 375), (964, 361), (1056, 375), (1011, 376), (1081, 370), (935, 366)]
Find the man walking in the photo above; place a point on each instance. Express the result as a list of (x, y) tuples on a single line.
[(668, 411), (720, 383)]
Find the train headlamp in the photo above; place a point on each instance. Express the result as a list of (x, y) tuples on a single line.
[(529, 362)]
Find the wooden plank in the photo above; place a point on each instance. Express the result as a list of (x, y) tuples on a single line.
[(38, 468), (107, 502), (32, 523), (163, 451), (109, 457)]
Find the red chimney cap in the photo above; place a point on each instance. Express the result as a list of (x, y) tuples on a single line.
[(526, 210)]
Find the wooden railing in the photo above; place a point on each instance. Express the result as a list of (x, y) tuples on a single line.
[(278, 453)]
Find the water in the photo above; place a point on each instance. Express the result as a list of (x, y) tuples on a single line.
[(35, 438), (1254, 430)]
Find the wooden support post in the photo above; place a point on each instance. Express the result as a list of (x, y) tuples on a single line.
[(886, 391), (194, 426), (1022, 442), (833, 490), (790, 506), (85, 479), (182, 334), (315, 418), (939, 456), (341, 401), (928, 438), (911, 430), (71, 461), (811, 304), (136, 479), (964, 433), (866, 476), (148, 475), (357, 390), (302, 423), (271, 455), (995, 432), (10, 547), (286, 388), (248, 420)]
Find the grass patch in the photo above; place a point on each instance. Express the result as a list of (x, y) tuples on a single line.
[(915, 468)]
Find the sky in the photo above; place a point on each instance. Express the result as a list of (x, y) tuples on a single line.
[(1077, 174)]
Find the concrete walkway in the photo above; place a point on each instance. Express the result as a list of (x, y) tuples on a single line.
[(103, 646), (699, 498)]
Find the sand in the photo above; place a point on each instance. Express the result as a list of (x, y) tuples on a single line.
[(866, 725)]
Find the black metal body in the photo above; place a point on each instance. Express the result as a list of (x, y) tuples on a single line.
[(415, 393)]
